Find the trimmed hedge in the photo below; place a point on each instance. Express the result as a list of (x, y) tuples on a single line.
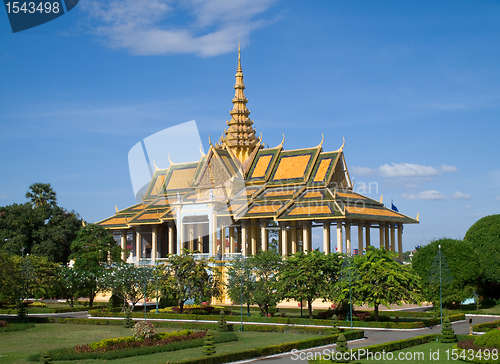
[(486, 326), (16, 327), (70, 354), (271, 349), (289, 320), (206, 326)]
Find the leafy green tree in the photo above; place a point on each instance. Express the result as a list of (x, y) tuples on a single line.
[(265, 266), (41, 194), (39, 227), (190, 278), (382, 281), (94, 250), (484, 238), (240, 281), (308, 276), (70, 283), (132, 282), (462, 264), (10, 278)]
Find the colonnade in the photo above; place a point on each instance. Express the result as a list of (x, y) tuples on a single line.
[(248, 236)]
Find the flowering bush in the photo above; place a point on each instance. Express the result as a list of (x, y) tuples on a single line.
[(144, 330)]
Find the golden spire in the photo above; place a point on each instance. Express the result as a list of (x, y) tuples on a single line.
[(240, 136)]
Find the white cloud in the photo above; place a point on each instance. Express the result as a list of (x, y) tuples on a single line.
[(446, 168), (424, 195), (435, 195), (362, 171), (407, 170), (151, 27), (460, 196), (497, 198)]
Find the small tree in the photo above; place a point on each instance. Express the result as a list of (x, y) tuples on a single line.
[(240, 281), (342, 349), (265, 266), (382, 281), (209, 347), (447, 333), (335, 324), (190, 278), (93, 251), (132, 283), (307, 276)]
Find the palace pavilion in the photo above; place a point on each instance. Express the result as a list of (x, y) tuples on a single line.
[(239, 194)]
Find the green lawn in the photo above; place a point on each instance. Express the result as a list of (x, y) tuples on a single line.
[(15, 347)]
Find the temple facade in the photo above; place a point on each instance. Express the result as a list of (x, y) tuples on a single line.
[(240, 196)]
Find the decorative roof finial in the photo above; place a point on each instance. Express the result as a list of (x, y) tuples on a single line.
[(239, 56)]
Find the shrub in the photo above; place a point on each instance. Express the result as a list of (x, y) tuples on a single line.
[(490, 339), (3, 323), (341, 348), (37, 304), (45, 357), (335, 324), (209, 347), (127, 322), (447, 334), (144, 330)]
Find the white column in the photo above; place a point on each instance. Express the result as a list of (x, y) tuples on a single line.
[(306, 238), (326, 237), (360, 239), (367, 234), (293, 238), (123, 244), (154, 243), (264, 237), (231, 239), (393, 237), (340, 239), (284, 240), (348, 238), (138, 246), (381, 229), (171, 238), (386, 239), (400, 242), (244, 250), (213, 233)]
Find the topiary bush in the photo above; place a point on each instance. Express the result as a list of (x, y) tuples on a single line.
[(341, 348), (335, 325), (490, 339), (209, 347), (127, 322), (222, 324), (144, 330), (447, 333)]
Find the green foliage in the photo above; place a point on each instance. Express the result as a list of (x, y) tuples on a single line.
[(39, 227), (341, 348), (190, 278), (10, 278), (271, 349), (381, 281), (17, 327), (93, 250), (335, 324), (209, 347), (127, 322), (144, 330), (240, 281), (132, 282), (490, 339), (483, 238), (462, 262), (486, 326), (265, 265), (308, 276), (447, 333), (45, 357)]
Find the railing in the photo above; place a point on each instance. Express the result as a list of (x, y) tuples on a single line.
[(198, 256)]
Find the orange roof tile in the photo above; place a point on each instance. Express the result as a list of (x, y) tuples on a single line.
[(261, 167), (310, 210), (322, 169), (292, 167), (181, 178)]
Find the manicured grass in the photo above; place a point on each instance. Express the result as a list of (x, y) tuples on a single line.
[(16, 347), (425, 351)]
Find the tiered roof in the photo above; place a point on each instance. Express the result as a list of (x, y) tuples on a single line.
[(243, 180)]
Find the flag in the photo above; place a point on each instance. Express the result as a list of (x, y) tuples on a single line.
[(393, 207)]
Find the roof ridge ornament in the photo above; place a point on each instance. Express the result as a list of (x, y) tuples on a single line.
[(281, 144), (154, 164)]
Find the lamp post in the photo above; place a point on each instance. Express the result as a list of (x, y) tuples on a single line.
[(440, 285)]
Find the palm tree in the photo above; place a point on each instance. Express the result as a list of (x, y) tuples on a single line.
[(41, 194)]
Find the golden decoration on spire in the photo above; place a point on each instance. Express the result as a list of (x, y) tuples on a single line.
[(240, 136)]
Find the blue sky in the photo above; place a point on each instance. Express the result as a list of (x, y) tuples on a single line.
[(414, 87)]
